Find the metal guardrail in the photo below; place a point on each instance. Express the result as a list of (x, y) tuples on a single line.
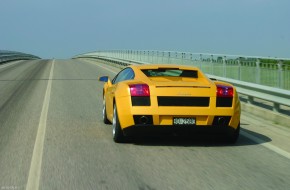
[(267, 71), (277, 96), (274, 95), (6, 56)]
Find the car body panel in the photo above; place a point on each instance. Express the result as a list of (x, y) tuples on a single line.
[(168, 88)]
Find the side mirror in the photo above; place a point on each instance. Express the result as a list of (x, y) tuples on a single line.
[(104, 78)]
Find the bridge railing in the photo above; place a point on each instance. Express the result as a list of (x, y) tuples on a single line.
[(221, 66), (268, 71), (6, 56)]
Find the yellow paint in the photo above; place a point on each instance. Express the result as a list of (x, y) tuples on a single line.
[(119, 94)]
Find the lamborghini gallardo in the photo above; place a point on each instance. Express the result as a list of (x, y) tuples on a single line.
[(157, 98)]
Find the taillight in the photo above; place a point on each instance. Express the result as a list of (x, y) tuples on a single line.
[(139, 90), (224, 91)]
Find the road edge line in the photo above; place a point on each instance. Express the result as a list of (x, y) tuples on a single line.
[(36, 161), (266, 144)]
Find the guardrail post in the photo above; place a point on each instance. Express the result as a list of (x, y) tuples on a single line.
[(144, 56), (250, 99), (135, 55), (280, 74), (200, 57), (191, 57), (276, 107), (148, 54), (131, 55), (140, 55), (240, 70), (169, 57), (224, 66), (211, 63), (183, 57), (258, 71), (157, 57)]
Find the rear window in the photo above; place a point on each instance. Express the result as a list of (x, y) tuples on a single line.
[(170, 72)]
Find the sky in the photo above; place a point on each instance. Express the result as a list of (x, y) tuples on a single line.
[(65, 28)]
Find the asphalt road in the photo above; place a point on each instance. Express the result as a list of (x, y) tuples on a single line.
[(52, 137)]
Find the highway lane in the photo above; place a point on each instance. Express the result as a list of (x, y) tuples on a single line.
[(79, 153), (21, 96)]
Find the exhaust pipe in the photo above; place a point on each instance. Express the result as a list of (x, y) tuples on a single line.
[(221, 121), (143, 120)]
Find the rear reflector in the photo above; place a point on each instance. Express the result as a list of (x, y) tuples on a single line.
[(224, 101), (224, 91), (139, 90), (140, 100)]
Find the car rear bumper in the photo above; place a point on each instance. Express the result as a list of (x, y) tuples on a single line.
[(163, 116), (152, 130)]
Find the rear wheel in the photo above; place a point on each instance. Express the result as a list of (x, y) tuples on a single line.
[(233, 136), (118, 135), (105, 118)]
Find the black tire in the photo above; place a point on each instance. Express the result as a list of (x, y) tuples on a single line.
[(233, 136), (118, 135), (105, 118)]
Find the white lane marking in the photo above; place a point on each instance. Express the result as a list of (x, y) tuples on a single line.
[(8, 64), (36, 161), (107, 69), (103, 67), (266, 144)]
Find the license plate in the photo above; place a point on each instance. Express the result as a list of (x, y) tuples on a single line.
[(183, 121)]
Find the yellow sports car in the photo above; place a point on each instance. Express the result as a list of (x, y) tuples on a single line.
[(158, 98)]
